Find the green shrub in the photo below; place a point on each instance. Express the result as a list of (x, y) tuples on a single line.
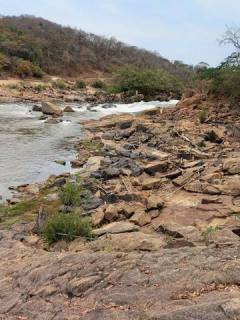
[(37, 71), (202, 116), (226, 83), (66, 226), (70, 194), (25, 68), (59, 84), (40, 87), (132, 79), (80, 84), (222, 82), (99, 84)]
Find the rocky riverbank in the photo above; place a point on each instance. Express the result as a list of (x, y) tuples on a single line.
[(164, 200), (66, 91)]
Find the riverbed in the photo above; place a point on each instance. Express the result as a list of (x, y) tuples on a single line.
[(29, 147)]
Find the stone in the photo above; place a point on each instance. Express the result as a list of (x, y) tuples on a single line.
[(77, 287), (195, 186), (189, 233), (51, 109), (158, 154), (126, 124), (77, 163), (37, 108), (191, 164), (32, 189), (111, 213), (212, 177), (43, 117), (13, 200), (212, 136), (93, 164), (141, 218), (156, 166), (92, 203), (116, 227), (61, 162), (172, 175), (52, 121), (68, 109), (130, 241), (111, 173), (211, 189), (224, 236), (182, 180), (154, 202), (230, 186), (97, 218), (151, 183), (52, 197), (154, 213), (59, 182), (231, 309), (232, 166)]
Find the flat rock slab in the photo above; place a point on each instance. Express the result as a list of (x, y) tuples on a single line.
[(116, 227), (184, 283)]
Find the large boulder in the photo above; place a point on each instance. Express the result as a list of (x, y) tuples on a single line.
[(51, 109)]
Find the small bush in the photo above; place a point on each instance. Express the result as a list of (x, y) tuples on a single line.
[(98, 84), (59, 84), (37, 71), (202, 116), (66, 226), (70, 194), (40, 87), (5, 62), (80, 84), (25, 68)]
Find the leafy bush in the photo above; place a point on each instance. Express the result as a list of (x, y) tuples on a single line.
[(70, 194), (59, 84), (227, 83), (80, 84), (98, 84), (24, 68), (66, 226), (146, 81), (4, 62), (223, 82)]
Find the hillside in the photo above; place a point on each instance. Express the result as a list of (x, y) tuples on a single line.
[(59, 50)]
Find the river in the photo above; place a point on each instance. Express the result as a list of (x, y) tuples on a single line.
[(29, 146)]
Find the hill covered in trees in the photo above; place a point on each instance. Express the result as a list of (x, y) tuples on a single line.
[(31, 46)]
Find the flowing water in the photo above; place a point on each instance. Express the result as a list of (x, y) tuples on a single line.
[(29, 146)]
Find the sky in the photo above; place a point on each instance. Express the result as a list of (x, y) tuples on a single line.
[(186, 30)]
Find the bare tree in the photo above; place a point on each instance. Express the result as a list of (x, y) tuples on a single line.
[(232, 36)]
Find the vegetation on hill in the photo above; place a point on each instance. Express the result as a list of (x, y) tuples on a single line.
[(149, 82), (30, 46), (224, 80)]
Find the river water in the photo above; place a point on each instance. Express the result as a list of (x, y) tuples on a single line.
[(29, 146)]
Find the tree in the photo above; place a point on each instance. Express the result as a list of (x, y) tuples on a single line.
[(232, 36)]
